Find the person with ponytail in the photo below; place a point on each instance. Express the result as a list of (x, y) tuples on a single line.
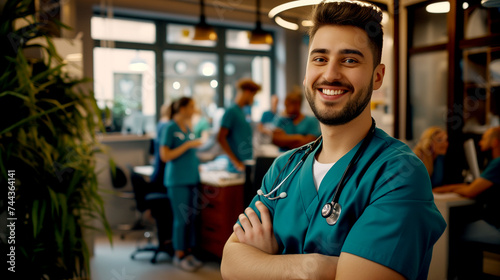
[(178, 149)]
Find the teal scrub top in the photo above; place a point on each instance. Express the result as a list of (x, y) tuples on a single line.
[(184, 169), (239, 136), (388, 213), (489, 198)]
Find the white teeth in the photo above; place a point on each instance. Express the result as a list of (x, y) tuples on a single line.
[(332, 92)]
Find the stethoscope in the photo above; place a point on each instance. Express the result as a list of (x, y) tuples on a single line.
[(331, 210)]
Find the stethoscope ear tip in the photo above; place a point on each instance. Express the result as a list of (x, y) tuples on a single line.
[(283, 195), (260, 192)]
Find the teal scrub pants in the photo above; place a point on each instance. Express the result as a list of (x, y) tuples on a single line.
[(183, 199)]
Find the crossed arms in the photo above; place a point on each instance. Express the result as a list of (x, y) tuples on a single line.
[(252, 253)]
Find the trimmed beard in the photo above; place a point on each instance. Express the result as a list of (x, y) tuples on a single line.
[(352, 109)]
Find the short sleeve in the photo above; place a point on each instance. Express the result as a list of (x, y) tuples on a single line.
[(227, 119), (492, 171), (406, 238), (166, 138)]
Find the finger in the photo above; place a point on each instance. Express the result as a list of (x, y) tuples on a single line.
[(265, 217), (245, 223), (252, 216), (240, 233)]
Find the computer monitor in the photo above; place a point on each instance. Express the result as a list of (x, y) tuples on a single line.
[(471, 156)]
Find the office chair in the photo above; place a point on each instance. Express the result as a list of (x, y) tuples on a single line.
[(119, 181), (153, 197)]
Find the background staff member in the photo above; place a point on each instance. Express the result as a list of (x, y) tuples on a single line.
[(235, 134), (181, 179), (294, 129), (431, 149), (388, 222)]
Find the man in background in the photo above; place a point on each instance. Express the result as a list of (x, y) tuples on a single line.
[(294, 129), (235, 134)]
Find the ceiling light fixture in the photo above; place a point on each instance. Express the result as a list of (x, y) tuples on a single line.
[(438, 8), (490, 3), (259, 35), (274, 12), (203, 31)]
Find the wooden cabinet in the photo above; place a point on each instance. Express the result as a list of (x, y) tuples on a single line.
[(221, 206), (481, 75)]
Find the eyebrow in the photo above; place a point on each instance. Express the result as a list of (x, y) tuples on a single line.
[(343, 51)]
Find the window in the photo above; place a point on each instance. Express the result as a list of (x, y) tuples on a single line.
[(124, 85), (141, 72)]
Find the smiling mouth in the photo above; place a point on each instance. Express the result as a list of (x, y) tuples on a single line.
[(331, 92)]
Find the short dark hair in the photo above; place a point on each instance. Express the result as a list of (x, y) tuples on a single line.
[(359, 14), (248, 84)]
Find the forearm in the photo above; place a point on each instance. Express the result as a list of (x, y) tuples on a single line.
[(448, 188), (287, 140), (241, 261), (167, 154), (227, 149)]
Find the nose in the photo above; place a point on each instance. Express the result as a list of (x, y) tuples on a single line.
[(332, 72)]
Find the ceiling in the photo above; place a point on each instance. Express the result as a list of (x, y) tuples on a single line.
[(216, 11)]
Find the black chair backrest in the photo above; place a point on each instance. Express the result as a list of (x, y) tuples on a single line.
[(141, 189), (118, 177)]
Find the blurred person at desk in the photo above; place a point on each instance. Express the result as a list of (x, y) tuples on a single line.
[(235, 134), (294, 129), (486, 188), (178, 149), (484, 227), (431, 149)]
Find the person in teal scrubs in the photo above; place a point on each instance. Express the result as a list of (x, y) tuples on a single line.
[(431, 148), (294, 129), (235, 134), (388, 222), (178, 149)]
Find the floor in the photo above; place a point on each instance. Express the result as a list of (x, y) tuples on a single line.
[(114, 263)]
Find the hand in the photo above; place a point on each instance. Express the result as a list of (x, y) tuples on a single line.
[(239, 165), (195, 143), (255, 233)]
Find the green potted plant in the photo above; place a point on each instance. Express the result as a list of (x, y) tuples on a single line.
[(48, 151)]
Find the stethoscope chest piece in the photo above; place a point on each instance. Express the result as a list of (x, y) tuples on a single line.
[(331, 211)]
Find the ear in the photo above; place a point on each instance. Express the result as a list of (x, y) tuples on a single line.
[(378, 76)]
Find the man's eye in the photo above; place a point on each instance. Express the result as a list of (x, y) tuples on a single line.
[(350, 61), (319, 59)]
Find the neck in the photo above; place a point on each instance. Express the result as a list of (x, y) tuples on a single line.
[(340, 139), (495, 152), (181, 122)]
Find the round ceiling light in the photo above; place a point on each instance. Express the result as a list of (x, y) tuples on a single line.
[(274, 12)]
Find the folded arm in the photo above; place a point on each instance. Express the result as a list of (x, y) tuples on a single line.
[(251, 253), (282, 139)]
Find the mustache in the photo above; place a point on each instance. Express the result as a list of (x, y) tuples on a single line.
[(333, 84)]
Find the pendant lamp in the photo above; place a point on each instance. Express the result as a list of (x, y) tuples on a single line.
[(203, 31), (258, 35)]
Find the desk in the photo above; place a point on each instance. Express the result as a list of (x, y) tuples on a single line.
[(221, 203), (438, 269), (144, 170)]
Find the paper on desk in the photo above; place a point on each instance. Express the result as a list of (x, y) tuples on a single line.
[(446, 195)]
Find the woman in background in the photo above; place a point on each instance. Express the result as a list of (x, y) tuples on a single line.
[(431, 149), (178, 149)]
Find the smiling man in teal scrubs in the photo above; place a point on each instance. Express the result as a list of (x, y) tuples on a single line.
[(388, 222)]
